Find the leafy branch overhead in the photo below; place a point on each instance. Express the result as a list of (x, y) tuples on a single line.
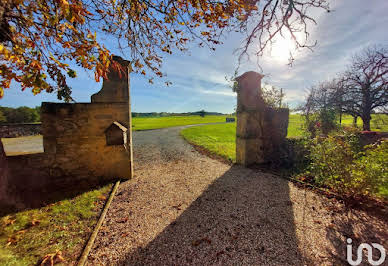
[(39, 38)]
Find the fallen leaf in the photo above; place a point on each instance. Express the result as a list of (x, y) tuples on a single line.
[(178, 207), (199, 241), (52, 258), (35, 222), (123, 220), (21, 232), (9, 221), (11, 240), (331, 226), (102, 197)]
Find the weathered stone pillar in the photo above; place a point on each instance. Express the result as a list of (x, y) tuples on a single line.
[(261, 130), (116, 88)]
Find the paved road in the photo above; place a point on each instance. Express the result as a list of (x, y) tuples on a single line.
[(161, 145), (23, 145), (183, 208)]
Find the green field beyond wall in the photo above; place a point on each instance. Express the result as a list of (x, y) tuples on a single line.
[(221, 139)]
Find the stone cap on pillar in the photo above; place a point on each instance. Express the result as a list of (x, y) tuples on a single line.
[(116, 87), (249, 90)]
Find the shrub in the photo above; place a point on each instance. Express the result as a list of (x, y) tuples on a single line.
[(337, 163), (370, 171), (330, 161), (322, 122)]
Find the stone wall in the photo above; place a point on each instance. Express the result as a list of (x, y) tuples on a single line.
[(261, 130), (74, 139), (19, 130), (79, 151)]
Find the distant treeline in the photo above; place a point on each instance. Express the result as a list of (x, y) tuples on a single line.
[(30, 115), (164, 114), (19, 115)]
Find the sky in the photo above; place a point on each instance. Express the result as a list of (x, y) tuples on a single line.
[(198, 77)]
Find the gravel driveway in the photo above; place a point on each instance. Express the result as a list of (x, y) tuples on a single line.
[(183, 208)]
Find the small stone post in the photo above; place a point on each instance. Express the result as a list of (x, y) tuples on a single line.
[(261, 130)]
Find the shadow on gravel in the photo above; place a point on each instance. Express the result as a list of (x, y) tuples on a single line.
[(242, 218), (357, 226)]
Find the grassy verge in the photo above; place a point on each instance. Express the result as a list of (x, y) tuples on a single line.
[(62, 228), (219, 139), (145, 123)]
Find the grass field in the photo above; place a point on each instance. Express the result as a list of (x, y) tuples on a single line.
[(221, 139), (145, 123), (28, 236)]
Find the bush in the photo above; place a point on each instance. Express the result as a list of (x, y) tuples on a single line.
[(330, 161), (322, 122), (337, 163), (370, 171)]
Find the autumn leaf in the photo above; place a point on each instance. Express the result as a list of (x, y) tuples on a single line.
[(101, 197), (34, 222), (52, 259), (11, 240), (71, 73)]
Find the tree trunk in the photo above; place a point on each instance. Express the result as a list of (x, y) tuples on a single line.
[(366, 122), (366, 108), (355, 121)]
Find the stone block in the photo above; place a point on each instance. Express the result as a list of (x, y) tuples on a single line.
[(49, 144), (104, 116), (249, 151), (248, 124)]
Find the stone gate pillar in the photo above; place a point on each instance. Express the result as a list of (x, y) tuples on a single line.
[(261, 130), (116, 89)]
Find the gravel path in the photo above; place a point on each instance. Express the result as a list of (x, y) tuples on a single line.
[(183, 208)]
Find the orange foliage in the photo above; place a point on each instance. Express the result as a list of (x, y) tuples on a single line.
[(39, 38)]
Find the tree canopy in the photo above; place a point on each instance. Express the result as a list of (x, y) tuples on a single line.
[(364, 86), (21, 114), (358, 91), (40, 38)]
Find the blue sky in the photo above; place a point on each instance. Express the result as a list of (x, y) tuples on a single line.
[(198, 76)]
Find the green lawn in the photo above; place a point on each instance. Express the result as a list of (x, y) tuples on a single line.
[(221, 139), (144, 123), (28, 236)]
